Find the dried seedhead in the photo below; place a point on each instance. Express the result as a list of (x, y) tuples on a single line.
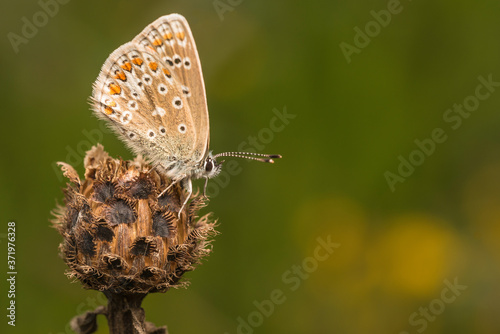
[(119, 236)]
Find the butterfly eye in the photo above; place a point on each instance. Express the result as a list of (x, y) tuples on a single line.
[(209, 165)]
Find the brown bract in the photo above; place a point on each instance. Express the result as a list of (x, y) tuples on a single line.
[(119, 237)]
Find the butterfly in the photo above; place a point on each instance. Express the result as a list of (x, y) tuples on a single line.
[(152, 94)]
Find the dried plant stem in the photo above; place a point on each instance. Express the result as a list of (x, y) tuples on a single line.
[(125, 314)]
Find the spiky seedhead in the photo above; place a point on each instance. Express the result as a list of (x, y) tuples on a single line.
[(119, 237)]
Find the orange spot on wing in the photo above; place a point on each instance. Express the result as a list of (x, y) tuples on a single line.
[(114, 89), (108, 110), (120, 75), (167, 72), (180, 35), (168, 36), (112, 104), (137, 61), (157, 42), (127, 66), (153, 66)]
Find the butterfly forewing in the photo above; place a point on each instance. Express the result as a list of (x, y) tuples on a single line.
[(171, 38), (152, 102)]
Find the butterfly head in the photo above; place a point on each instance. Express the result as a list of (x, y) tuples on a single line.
[(211, 168)]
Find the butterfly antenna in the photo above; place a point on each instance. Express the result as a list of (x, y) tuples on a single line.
[(251, 156)]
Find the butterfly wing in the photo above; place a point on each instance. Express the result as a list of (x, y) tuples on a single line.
[(171, 38), (157, 107)]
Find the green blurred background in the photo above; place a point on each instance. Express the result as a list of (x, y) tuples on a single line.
[(398, 248)]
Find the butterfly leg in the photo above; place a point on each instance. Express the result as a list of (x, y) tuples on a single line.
[(205, 188), (167, 188), (188, 186)]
